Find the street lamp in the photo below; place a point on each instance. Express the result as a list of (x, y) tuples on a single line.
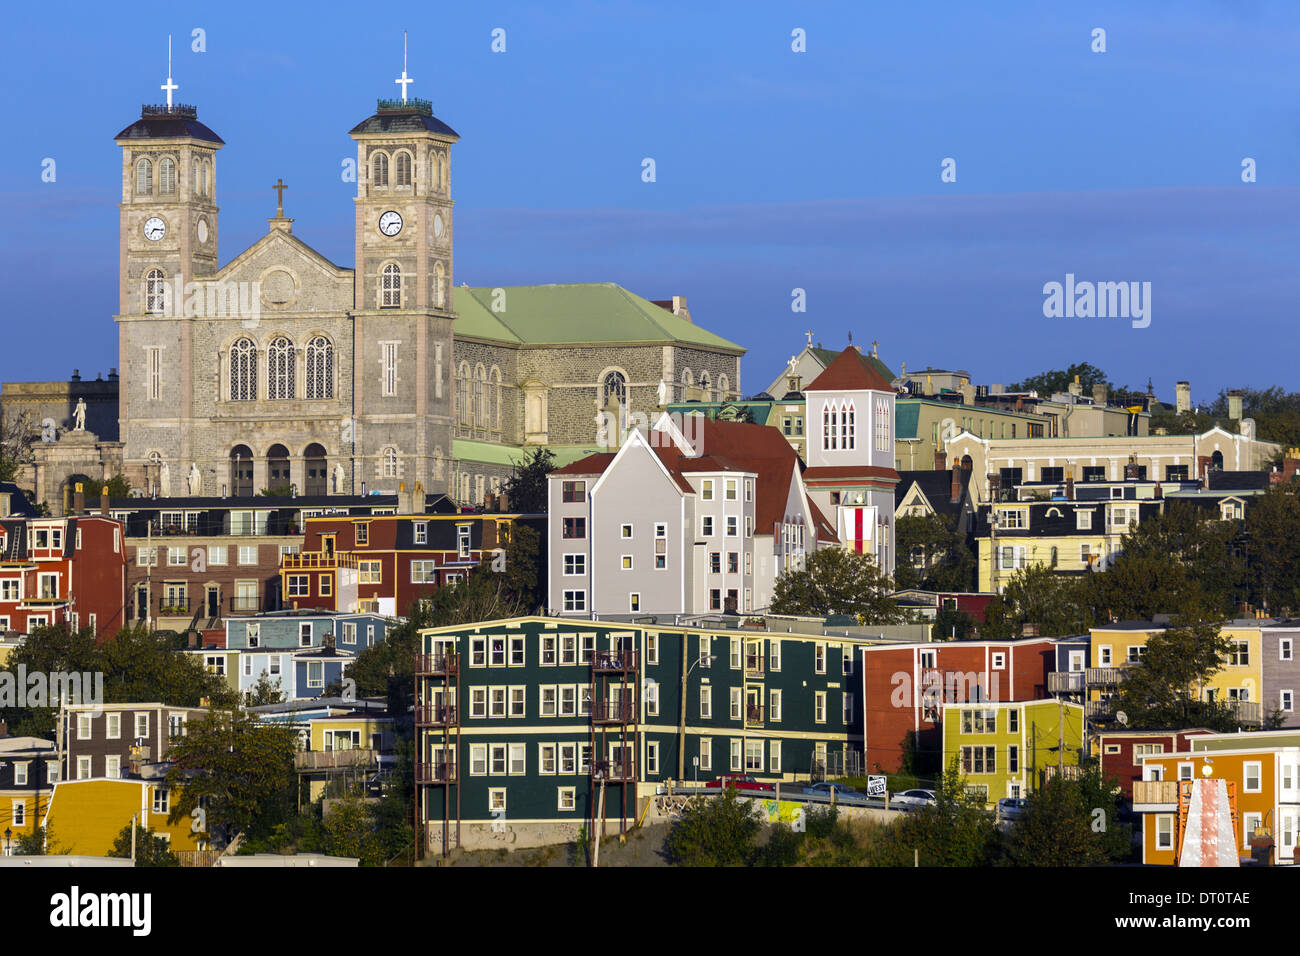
[(681, 733)]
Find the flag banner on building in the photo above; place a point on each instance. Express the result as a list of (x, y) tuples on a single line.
[(1209, 839), (858, 528)]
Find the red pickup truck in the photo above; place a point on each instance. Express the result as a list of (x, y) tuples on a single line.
[(741, 781)]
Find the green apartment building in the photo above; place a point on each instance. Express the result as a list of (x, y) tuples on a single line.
[(1010, 749), (522, 723)]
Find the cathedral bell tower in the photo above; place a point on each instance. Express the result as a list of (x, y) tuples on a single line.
[(402, 310)]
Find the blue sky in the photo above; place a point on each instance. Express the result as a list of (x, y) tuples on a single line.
[(775, 170)]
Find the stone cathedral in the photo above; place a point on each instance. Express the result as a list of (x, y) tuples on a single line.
[(281, 369)]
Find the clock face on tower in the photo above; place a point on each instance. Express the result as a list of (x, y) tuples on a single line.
[(390, 223), (154, 228)]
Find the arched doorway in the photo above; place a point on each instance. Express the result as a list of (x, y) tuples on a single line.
[(317, 470), (966, 463), (277, 466), (241, 472), (1216, 460)]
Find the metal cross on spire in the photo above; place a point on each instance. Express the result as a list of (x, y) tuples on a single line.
[(279, 188), (404, 80), (169, 86)]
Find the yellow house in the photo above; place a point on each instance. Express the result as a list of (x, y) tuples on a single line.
[(85, 816), (1118, 646)]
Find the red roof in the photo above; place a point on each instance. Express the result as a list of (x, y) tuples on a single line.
[(841, 473), (591, 465), (848, 373)]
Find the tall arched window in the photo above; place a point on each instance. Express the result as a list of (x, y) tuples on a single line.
[(462, 394), (166, 175), (320, 368), (402, 170), (480, 406), (315, 470), (613, 390), (687, 379), (279, 368), (277, 466), (390, 463), (848, 429), (444, 175), (379, 169), (241, 471), (144, 178), (439, 285), (496, 399), (155, 292), (243, 371), (391, 286)]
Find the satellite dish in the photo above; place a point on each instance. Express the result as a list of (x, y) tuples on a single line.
[(1122, 718)]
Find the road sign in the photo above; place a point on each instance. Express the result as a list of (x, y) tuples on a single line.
[(876, 785)]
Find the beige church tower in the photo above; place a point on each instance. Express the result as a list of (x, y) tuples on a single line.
[(281, 370)]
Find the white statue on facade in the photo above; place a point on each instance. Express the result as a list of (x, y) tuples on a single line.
[(79, 416), (196, 480), (663, 393), (338, 479), (164, 480)]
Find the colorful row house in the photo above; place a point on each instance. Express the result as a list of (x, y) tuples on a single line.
[(545, 725), (1010, 749), (57, 571), (29, 769)]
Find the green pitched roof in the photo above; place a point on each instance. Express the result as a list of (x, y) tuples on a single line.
[(826, 356), (590, 312), (487, 453)]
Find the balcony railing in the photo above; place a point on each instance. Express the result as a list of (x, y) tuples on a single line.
[(1065, 682), (1105, 676), (623, 660), (318, 561), (753, 665), (428, 715), (607, 712), (435, 773), (245, 605), (754, 715), (616, 770), (436, 665), (1246, 711), (333, 759), (1098, 709), (1161, 793), (174, 607)]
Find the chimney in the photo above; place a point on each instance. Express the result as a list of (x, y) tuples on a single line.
[(1075, 388), (941, 461), (327, 640), (1069, 486), (112, 375), (103, 500), (503, 502), (418, 499), (1159, 491), (902, 370), (1099, 393), (79, 499), (76, 375), (1183, 402), (679, 307), (967, 394), (1234, 404), (4, 728), (956, 484)]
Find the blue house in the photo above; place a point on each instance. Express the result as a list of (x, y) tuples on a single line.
[(303, 630)]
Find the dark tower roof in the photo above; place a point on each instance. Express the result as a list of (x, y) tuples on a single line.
[(169, 122), (394, 116)]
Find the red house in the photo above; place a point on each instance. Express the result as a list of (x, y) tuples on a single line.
[(905, 688), (383, 563), (69, 570), (1120, 751)]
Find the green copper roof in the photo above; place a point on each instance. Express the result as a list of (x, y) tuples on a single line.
[(590, 312), (906, 417), (761, 412), (487, 453)]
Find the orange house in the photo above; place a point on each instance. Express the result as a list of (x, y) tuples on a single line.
[(1267, 785)]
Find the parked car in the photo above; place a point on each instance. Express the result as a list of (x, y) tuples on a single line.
[(741, 781), (913, 799), (841, 791), (1010, 808)]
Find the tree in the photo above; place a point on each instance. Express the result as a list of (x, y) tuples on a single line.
[(1069, 823), (837, 581), (1164, 691), (244, 769), (931, 555), (140, 665), (49, 650), (1037, 595), (952, 624), (527, 487), (117, 486), (714, 831), (150, 848), (16, 437), (1048, 383), (349, 830), (40, 842), (1273, 547), (953, 831), (265, 691)]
